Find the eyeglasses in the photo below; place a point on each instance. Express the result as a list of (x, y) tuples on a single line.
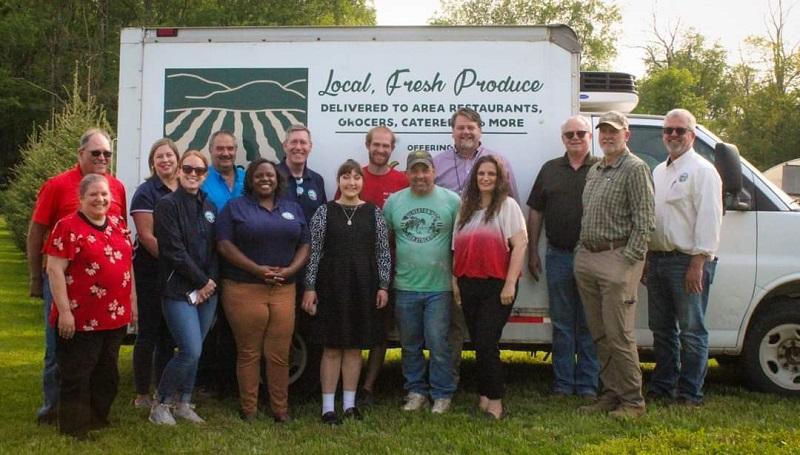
[(96, 153), (571, 134), (200, 171), (679, 131)]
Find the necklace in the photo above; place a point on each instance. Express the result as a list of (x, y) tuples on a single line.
[(350, 217)]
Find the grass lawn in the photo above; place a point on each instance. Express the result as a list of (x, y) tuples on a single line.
[(733, 420)]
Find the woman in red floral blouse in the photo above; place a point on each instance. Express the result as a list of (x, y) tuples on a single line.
[(94, 299)]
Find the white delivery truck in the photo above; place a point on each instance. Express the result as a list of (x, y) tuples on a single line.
[(186, 83)]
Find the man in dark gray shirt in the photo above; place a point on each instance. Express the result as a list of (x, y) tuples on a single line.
[(556, 199)]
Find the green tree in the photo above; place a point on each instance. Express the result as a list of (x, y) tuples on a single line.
[(699, 71), (41, 41), (667, 88), (594, 21), (50, 150), (767, 132), (767, 96)]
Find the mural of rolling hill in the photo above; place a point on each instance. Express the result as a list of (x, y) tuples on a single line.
[(256, 104)]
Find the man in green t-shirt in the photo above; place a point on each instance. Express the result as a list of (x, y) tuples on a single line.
[(422, 218)]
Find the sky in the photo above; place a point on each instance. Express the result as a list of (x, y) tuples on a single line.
[(727, 21)]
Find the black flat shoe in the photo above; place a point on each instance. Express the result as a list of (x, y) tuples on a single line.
[(247, 418), (353, 413), (330, 418)]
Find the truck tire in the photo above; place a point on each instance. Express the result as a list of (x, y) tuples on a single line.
[(772, 349), (304, 358)]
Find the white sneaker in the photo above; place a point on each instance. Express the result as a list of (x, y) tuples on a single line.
[(415, 402), (186, 411), (440, 405), (160, 414)]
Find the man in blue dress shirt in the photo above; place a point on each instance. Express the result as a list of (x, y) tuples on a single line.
[(217, 368)]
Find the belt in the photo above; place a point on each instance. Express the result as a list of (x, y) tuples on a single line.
[(666, 254), (604, 246), (559, 248)]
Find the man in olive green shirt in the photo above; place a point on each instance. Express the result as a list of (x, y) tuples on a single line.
[(618, 217)]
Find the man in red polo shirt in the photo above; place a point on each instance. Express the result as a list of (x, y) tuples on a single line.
[(58, 198)]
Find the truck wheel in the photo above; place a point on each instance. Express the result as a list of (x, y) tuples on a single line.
[(304, 358), (772, 349)]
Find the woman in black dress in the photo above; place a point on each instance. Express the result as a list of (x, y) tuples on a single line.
[(346, 285)]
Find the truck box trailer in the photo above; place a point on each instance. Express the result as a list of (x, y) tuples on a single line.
[(186, 83)]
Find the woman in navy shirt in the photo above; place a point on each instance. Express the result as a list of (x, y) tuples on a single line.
[(153, 342), (265, 241)]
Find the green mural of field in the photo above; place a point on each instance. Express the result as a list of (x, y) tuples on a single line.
[(256, 104)]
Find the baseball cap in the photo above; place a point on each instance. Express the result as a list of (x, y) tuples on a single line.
[(615, 119), (419, 156)]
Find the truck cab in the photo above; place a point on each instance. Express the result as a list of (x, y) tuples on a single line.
[(753, 314)]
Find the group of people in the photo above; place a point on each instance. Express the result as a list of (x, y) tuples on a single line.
[(437, 250)]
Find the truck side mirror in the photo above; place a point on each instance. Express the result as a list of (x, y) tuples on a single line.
[(729, 167)]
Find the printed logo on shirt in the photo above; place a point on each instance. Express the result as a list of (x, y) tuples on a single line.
[(209, 216), (421, 225), (683, 177), (287, 216), (312, 195)]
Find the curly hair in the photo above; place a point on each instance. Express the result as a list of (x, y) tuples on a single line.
[(471, 199), (249, 174)]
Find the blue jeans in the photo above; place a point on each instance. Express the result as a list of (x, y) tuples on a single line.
[(50, 376), (189, 325), (154, 346), (680, 339), (570, 333), (423, 319)]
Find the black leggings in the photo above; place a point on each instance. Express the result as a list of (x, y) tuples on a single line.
[(485, 317)]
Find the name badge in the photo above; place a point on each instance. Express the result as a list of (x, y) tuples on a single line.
[(209, 216), (287, 216)]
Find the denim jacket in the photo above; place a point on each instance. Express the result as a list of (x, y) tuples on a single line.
[(187, 255)]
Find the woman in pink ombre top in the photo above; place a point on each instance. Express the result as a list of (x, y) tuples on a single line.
[(489, 249)]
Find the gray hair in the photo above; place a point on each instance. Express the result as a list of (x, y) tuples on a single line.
[(87, 136), (686, 115), (220, 133), (89, 180), (295, 128), (580, 118)]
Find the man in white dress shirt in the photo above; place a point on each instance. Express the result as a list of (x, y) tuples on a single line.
[(681, 262)]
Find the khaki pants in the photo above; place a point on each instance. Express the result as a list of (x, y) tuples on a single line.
[(607, 283), (262, 319)]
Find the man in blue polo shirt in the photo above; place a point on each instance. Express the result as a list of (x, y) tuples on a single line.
[(304, 186), (225, 181), (217, 367)]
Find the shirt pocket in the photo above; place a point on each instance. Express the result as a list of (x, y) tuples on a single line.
[(678, 194)]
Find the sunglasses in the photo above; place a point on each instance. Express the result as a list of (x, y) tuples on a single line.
[(571, 134), (186, 169), (96, 153), (679, 131)]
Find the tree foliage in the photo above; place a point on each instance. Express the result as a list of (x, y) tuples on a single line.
[(754, 104), (41, 42), (594, 21), (666, 88), (700, 72), (50, 150)]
